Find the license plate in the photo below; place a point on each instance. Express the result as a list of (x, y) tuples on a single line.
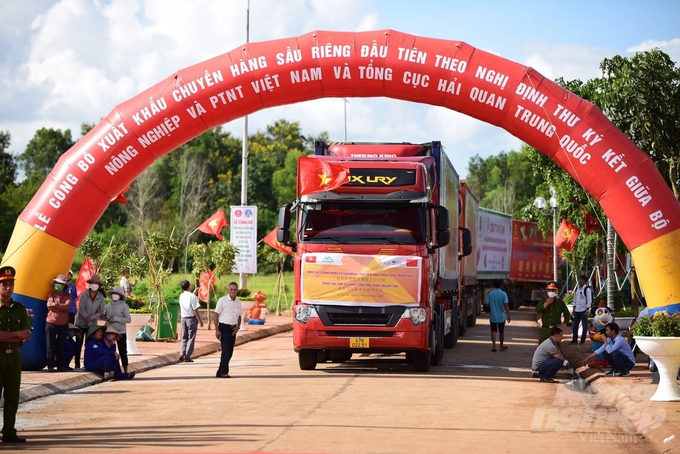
[(358, 342)]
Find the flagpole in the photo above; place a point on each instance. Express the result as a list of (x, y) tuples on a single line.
[(186, 250), (244, 152)]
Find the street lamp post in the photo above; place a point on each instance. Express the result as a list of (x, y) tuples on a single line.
[(541, 204)]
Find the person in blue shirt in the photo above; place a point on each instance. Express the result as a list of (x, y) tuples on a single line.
[(74, 296), (616, 351), (497, 300)]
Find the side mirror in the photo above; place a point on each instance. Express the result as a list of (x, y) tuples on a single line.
[(443, 231), (283, 234), (442, 219), (443, 238), (467, 242)]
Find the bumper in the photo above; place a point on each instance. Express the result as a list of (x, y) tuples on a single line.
[(402, 337)]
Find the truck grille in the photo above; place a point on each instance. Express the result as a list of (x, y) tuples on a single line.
[(360, 333), (359, 315)]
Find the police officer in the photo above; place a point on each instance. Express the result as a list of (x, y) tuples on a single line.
[(552, 310), (15, 328)]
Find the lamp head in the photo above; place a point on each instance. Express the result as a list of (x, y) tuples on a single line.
[(539, 203)]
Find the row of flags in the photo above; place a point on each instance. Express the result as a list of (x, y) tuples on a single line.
[(568, 233), (214, 224)]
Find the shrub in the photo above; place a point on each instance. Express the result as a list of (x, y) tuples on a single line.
[(660, 324), (135, 302)]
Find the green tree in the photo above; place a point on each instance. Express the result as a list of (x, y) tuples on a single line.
[(42, 153), (504, 182), (641, 96), (8, 171)]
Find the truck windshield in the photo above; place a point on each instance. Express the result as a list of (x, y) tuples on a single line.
[(365, 223)]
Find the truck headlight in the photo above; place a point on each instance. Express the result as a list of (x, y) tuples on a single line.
[(304, 313), (418, 315)]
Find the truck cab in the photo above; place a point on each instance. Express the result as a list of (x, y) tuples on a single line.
[(376, 266)]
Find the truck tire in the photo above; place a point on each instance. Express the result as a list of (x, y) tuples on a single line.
[(307, 359), (438, 342), (451, 338), (472, 318), (462, 319), (421, 361)]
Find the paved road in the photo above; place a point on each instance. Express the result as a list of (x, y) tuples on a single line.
[(477, 401)]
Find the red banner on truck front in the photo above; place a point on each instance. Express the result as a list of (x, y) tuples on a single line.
[(531, 253), (360, 279)]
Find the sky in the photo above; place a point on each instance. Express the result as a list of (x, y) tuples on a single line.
[(68, 62)]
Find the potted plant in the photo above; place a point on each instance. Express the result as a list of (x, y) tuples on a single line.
[(624, 318), (658, 336)]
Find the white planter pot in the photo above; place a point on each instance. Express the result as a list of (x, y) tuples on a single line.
[(246, 306), (624, 322), (665, 351)]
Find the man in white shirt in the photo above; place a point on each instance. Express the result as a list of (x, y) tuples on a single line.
[(191, 317), (227, 319), (583, 298)]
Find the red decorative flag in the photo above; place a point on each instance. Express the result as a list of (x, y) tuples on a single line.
[(120, 198), (271, 240), (207, 283), (590, 222), (316, 175), (86, 272), (214, 224), (566, 236)]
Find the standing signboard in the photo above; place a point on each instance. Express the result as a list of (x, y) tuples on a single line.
[(243, 235)]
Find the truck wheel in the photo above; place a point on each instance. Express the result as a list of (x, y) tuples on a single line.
[(462, 319), (472, 318), (451, 338), (307, 359), (421, 361), (438, 343)]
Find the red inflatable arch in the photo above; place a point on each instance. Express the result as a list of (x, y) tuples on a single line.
[(255, 76)]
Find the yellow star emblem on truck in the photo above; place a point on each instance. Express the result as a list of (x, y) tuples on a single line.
[(325, 179)]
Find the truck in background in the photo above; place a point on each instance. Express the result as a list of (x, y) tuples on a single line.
[(376, 267), (469, 293), (515, 252)]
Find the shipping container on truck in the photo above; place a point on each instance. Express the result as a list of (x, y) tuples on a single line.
[(376, 267), (514, 252), (469, 294)]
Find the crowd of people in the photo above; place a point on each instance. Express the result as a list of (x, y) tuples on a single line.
[(73, 320)]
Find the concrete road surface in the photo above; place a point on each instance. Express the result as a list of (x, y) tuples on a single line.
[(476, 401)]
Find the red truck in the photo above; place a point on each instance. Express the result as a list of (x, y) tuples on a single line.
[(376, 266)]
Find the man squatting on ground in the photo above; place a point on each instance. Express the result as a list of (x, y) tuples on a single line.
[(616, 351), (548, 359)]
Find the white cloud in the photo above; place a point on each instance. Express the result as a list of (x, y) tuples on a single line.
[(672, 48), (569, 61)]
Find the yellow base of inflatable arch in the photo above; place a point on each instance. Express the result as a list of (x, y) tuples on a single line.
[(38, 254)]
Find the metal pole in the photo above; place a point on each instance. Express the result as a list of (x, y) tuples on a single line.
[(610, 265), (344, 103), (186, 250), (244, 152), (554, 247)]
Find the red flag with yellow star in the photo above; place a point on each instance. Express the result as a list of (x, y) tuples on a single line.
[(214, 224), (566, 236), (317, 175), (271, 240)]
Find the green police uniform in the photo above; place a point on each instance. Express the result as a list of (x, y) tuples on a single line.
[(551, 316), (12, 318)]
